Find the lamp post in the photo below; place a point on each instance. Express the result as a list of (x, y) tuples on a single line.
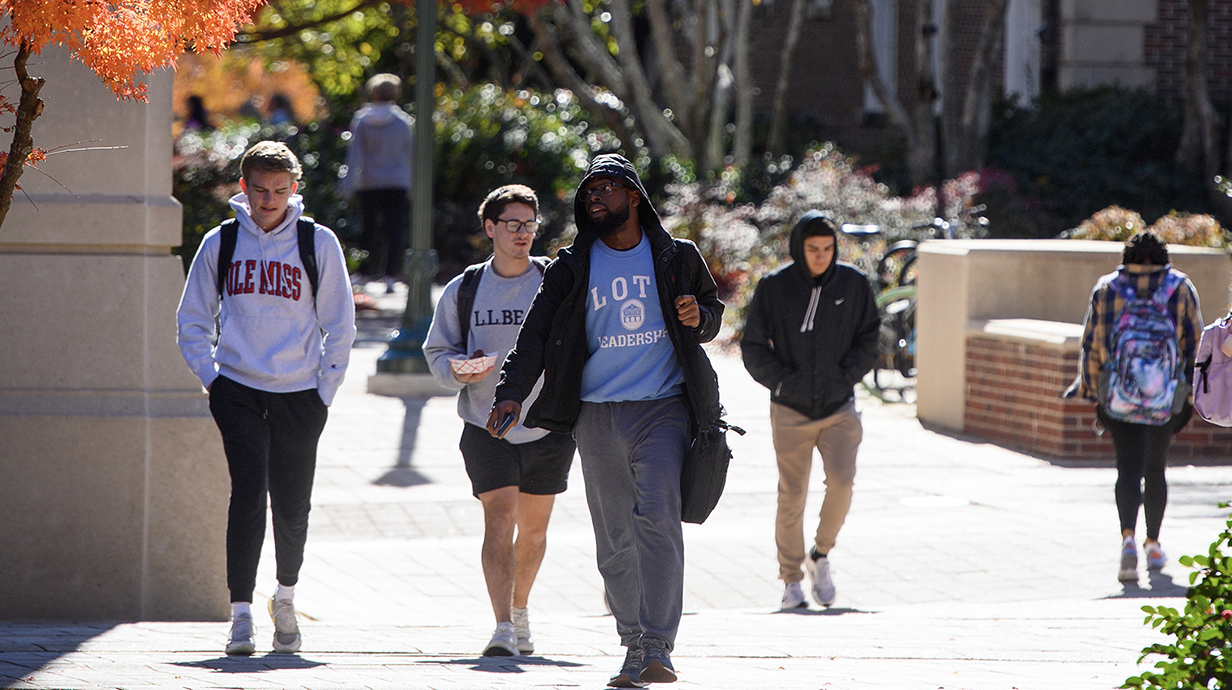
[(405, 354)]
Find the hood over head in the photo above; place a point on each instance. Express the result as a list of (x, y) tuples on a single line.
[(619, 168), (827, 228)]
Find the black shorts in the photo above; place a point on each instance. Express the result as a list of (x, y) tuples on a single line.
[(539, 467)]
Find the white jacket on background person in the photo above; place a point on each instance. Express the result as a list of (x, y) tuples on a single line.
[(273, 336)]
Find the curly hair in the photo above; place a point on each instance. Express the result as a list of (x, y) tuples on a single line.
[(1145, 248)]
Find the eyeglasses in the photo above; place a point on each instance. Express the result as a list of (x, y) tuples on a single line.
[(514, 226), (603, 188)]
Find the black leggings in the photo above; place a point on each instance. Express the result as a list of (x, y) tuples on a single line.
[(271, 444), (1142, 454)]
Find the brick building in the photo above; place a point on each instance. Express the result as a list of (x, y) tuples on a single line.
[(1059, 44)]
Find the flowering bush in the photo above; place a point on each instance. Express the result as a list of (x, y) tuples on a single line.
[(1118, 224)]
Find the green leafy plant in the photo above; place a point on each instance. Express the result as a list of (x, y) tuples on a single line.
[(1200, 655)]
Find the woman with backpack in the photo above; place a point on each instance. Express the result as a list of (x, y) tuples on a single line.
[(1138, 346)]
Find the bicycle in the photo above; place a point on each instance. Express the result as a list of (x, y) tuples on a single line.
[(894, 286)]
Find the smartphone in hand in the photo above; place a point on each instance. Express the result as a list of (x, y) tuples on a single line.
[(505, 425)]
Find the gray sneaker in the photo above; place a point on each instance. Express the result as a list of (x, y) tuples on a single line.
[(287, 639), (818, 568), (631, 671), (793, 597), (656, 661), (521, 625), (1129, 561), (243, 639), (504, 641)]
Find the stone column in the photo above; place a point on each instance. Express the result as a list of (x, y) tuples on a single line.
[(113, 486)]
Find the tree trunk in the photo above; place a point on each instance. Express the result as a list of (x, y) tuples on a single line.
[(872, 76), (675, 89), (742, 144), (922, 157), (1196, 150), (28, 109), (778, 118), (662, 136), (972, 144)]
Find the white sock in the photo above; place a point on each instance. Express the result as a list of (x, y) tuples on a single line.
[(284, 592), (240, 608)]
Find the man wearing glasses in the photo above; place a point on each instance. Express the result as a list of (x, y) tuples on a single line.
[(517, 476), (615, 332)]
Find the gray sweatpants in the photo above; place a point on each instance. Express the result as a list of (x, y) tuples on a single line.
[(631, 457)]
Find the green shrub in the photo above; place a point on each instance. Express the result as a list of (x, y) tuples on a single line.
[(1076, 152), (1200, 655), (485, 138)]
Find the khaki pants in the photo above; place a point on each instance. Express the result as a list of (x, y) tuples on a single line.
[(837, 438)]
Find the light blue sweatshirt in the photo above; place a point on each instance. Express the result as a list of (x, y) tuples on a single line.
[(273, 337)]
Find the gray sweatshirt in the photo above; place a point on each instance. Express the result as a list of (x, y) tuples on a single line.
[(381, 149), (500, 306), (273, 337)]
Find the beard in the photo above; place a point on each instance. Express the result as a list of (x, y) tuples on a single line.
[(610, 223)]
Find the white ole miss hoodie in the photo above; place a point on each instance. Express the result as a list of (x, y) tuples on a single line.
[(271, 336)]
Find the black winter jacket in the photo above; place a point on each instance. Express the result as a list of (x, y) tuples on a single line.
[(810, 340), (553, 336)]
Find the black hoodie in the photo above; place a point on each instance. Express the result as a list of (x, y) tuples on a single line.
[(810, 340), (553, 336)]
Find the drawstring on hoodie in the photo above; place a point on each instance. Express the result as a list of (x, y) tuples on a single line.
[(811, 313)]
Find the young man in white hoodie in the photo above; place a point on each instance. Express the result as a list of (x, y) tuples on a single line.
[(271, 348)]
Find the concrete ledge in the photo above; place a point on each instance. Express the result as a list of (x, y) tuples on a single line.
[(407, 386), (1035, 331)]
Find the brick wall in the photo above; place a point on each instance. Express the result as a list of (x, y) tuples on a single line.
[(1013, 398), (1165, 44)]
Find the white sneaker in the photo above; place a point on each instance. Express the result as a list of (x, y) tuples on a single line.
[(1129, 561), (287, 639), (504, 641), (521, 626), (793, 597), (243, 639), (819, 573), (1155, 558)]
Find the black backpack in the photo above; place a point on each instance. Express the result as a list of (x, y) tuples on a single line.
[(229, 232), (470, 286)]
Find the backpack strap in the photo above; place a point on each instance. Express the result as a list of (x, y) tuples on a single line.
[(466, 299), (307, 229), (1167, 287), (229, 232), (470, 286)]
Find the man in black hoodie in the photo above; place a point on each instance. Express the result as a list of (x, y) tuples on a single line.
[(616, 331), (810, 335)]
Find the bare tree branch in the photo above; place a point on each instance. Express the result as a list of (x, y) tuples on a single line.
[(663, 136), (665, 52), (28, 110), (972, 142), (292, 29), (567, 76), (787, 58), (742, 144)]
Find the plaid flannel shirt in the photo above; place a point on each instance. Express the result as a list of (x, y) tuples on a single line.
[(1105, 309)]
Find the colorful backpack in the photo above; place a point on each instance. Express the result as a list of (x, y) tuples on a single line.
[(1140, 380), (1213, 374)]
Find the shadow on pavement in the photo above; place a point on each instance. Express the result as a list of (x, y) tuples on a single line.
[(832, 611), (252, 664), (26, 648), (505, 664), (1159, 586), (402, 474)]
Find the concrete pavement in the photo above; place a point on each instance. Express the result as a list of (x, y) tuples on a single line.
[(962, 565)]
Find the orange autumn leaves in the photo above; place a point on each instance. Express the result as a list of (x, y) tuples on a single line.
[(120, 39)]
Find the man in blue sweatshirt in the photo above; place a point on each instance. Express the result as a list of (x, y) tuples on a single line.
[(615, 332), (810, 335), (272, 367), (517, 476)]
